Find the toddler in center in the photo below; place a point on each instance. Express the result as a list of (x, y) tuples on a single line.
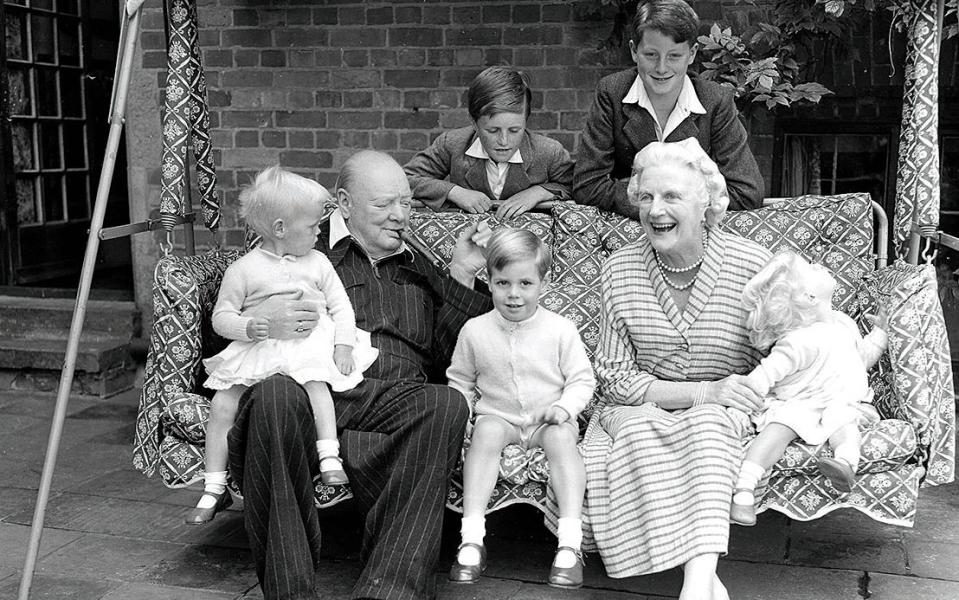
[(529, 371), (285, 209)]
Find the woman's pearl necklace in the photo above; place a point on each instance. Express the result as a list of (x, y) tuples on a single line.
[(664, 268)]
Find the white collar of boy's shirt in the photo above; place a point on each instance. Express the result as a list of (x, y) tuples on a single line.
[(687, 103), (476, 150), (339, 231)]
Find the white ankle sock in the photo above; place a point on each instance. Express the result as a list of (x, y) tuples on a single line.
[(848, 452), (472, 530), (329, 453), (569, 533), (214, 482), (749, 475)]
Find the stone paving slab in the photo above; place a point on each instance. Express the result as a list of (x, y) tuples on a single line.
[(204, 567), (149, 591), (936, 560), (16, 500), (101, 557), (766, 541), (895, 587), (938, 515), (14, 540), (758, 581), (58, 588)]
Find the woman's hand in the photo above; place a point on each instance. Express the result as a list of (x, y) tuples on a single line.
[(288, 316), (523, 201), (735, 391), (343, 358), (469, 200)]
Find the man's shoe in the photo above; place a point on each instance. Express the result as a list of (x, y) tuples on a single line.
[(568, 578), (461, 573), (199, 516), (839, 472)]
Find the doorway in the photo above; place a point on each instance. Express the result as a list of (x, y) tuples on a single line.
[(57, 67)]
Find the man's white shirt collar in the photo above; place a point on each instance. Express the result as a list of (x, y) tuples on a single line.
[(339, 231), (687, 103), (476, 150)]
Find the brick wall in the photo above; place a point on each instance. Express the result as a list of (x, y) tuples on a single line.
[(306, 83)]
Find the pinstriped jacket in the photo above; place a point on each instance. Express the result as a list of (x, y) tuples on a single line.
[(545, 163), (614, 132)]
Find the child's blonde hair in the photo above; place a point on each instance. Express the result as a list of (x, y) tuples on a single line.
[(511, 244), (278, 194), (778, 301)]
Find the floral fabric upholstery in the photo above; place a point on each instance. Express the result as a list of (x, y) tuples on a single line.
[(835, 231), (184, 292), (912, 445), (915, 402)]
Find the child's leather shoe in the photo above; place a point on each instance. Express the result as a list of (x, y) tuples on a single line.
[(199, 516), (839, 472), (461, 573), (567, 577)]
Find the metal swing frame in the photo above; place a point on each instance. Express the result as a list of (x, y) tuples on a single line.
[(129, 34)]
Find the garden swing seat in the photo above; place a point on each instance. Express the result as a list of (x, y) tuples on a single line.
[(912, 445)]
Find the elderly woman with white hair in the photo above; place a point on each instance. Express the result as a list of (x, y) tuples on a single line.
[(663, 452)]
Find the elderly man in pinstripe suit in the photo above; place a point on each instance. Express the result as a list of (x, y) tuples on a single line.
[(403, 425)]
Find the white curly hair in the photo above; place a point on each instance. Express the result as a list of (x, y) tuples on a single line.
[(687, 153)]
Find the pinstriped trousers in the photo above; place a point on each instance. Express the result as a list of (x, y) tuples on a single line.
[(400, 443)]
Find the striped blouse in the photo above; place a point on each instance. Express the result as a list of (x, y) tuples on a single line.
[(645, 337)]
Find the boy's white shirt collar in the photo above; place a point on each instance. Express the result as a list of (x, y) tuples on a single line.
[(476, 150), (687, 103)]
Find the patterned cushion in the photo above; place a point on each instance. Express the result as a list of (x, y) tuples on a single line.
[(439, 231), (576, 248), (835, 231), (185, 416), (889, 497), (184, 292), (181, 463), (579, 304), (886, 445), (917, 382)]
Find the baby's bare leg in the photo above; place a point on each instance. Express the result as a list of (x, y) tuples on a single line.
[(222, 413), (767, 448), (480, 470), (567, 478), (327, 444)]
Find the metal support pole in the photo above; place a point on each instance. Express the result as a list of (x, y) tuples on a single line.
[(120, 86)]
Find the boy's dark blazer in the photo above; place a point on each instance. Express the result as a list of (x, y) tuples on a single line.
[(545, 163), (615, 132)]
